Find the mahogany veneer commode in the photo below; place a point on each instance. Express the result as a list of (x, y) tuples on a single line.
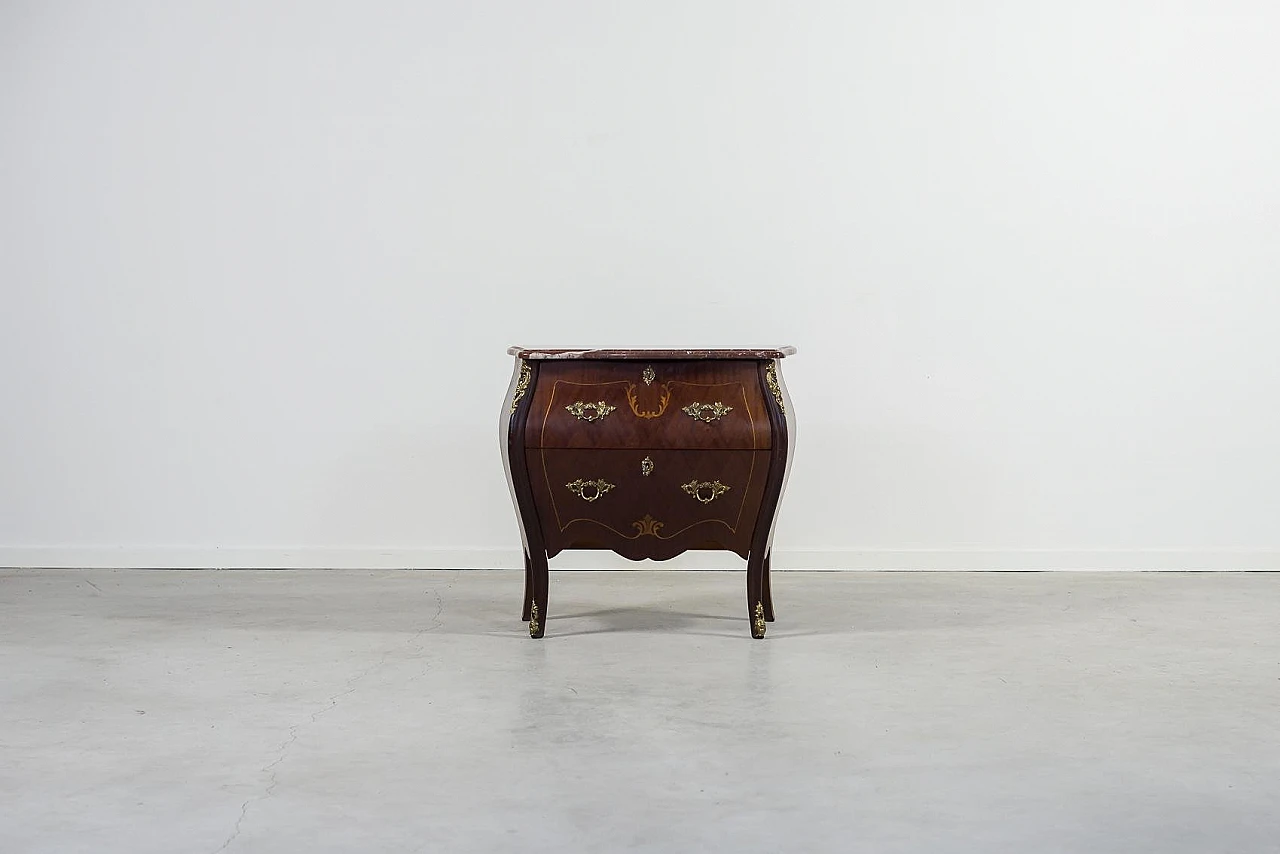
[(648, 453)]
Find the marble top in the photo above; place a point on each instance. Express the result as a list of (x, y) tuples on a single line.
[(650, 354)]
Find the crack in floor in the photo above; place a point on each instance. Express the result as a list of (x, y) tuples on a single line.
[(295, 730)]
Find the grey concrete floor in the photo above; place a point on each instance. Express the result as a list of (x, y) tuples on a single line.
[(333, 711)]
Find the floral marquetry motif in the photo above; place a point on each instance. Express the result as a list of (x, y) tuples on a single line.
[(648, 526)]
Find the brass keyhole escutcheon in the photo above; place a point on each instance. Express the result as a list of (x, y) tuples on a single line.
[(646, 466)]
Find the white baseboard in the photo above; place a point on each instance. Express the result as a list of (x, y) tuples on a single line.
[(823, 559)]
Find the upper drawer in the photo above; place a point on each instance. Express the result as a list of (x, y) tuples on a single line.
[(697, 404)]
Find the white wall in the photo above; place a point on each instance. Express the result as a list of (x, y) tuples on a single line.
[(261, 260)]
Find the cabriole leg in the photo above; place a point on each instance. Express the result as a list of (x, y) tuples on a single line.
[(525, 612), (538, 597), (755, 594), (766, 588)]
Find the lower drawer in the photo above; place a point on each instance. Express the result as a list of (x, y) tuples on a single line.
[(647, 503)]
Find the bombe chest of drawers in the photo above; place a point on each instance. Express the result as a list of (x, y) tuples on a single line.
[(648, 453)]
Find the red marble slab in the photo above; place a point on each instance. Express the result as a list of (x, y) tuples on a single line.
[(646, 354)]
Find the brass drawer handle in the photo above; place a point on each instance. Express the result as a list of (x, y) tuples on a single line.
[(589, 490), (698, 488), (707, 412), (597, 410)]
